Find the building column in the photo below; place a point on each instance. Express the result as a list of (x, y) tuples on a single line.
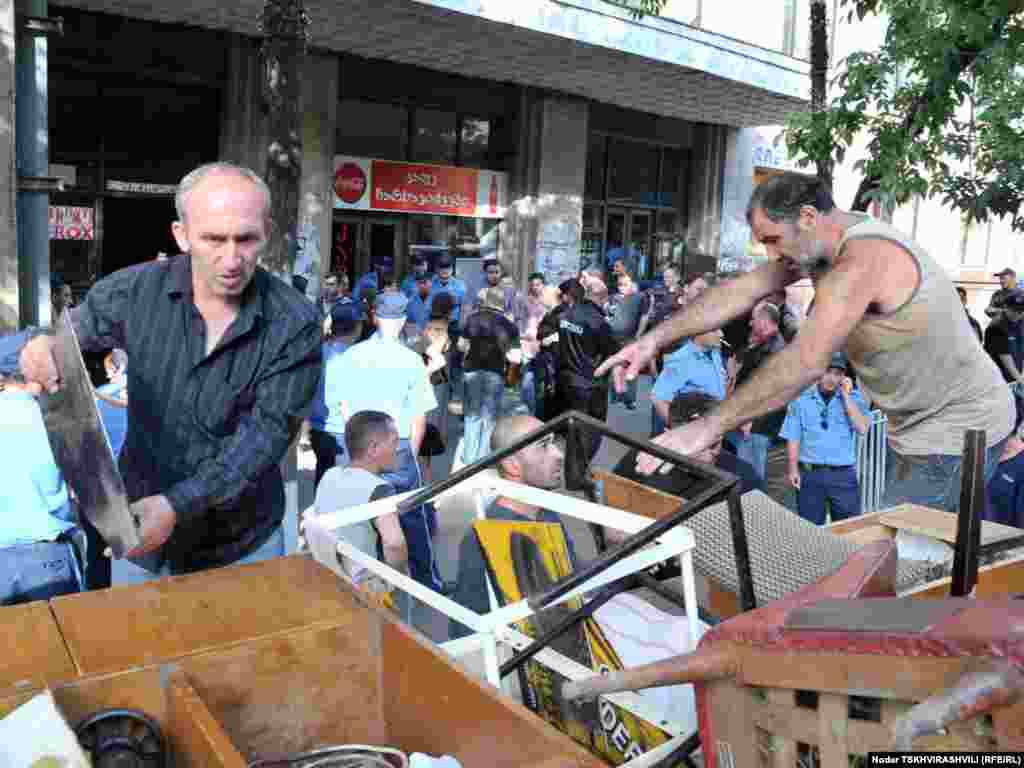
[(244, 132), (33, 159), (737, 186), (9, 305), (542, 227), (316, 191), (705, 193)]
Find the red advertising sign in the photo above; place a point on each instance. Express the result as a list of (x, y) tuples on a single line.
[(385, 185), (71, 222), (428, 188)]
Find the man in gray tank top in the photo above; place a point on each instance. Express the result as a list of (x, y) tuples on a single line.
[(880, 297)]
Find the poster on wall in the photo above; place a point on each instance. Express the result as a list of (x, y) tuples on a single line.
[(71, 222), (365, 184)]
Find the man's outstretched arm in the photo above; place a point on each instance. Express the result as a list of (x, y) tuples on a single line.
[(716, 307), (841, 299)]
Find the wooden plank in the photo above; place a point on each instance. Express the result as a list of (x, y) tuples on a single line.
[(870, 533), (803, 726), (940, 525), (843, 527), (140, 689), (833, 726), (730, 710), (996, 580), (631, 496), (784, 752), (35, 655), (198, 739), (1008, 727), (127, 626), (430, 706), (294, 692), (911, 678)]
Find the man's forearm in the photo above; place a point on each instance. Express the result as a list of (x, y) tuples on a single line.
[(722, 303), (779, 381), (793, 454), (860, 423), (662, 409)]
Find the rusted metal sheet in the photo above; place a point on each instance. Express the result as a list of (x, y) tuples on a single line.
[(81, 447)]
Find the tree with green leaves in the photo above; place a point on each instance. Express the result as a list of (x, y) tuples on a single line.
[(940, 103)]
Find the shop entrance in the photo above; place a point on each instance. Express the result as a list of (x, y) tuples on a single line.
[(135, 229), (360, 241), (628, 236)]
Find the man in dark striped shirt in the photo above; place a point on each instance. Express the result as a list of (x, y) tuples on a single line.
[(225, 361)]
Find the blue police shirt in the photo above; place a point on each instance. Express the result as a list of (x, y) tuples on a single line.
[(369, 280), (691, 368), (1006, 493), (113, 417), (408, 286), (418, 310), (34, 497), (326, 413), (456, 288), (832, 444)]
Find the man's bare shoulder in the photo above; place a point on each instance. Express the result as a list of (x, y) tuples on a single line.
[(884, 267)]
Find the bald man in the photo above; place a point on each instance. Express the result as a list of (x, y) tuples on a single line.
[(225, 365), (539, 465)]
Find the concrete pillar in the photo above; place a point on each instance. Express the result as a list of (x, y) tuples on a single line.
[(544, 221), (737, 186), (705, 194), (33, 159), (9, 312), (316, 192), (244, 132)]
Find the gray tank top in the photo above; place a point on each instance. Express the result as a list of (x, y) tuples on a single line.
[(922, 364)]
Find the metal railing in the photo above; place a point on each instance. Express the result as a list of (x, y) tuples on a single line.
[(870, 448)]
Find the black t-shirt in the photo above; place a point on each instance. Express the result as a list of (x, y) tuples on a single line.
[(491, 335), (584, 342), (1005, 338), (750, 360), (686, 484), (737, 334)]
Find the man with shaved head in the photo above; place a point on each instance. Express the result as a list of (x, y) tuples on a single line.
[(225, 364), (539, 465)]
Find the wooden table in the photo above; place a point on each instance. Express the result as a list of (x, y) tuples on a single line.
[(34, 652)]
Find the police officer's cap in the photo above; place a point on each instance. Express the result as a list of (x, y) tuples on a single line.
[(345, 315)]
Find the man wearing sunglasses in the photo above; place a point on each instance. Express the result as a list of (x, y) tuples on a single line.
[(818, 430)]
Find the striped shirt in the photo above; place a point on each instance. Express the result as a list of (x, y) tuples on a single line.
[(207, 431)]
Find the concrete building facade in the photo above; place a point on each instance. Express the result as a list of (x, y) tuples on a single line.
[(551, 135)]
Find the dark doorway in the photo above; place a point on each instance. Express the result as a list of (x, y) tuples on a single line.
[(135, 230), (382, 245)]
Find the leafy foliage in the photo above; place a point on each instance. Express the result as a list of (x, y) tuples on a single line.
[(940, 102)]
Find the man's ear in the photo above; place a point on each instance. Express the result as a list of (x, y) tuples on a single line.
[(180, 236)]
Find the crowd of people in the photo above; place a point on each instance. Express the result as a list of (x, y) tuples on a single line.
[(217, 364)]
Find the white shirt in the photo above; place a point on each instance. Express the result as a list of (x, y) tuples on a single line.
[(384, 375)]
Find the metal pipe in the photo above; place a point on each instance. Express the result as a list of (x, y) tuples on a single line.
[(701, 666), (748, 600), (546, 638), (634, 543), (972, 502)]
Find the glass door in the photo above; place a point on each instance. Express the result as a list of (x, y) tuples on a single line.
[(640, 242), (628, 238), (380, 242)]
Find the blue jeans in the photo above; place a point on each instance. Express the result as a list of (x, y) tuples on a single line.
[(528, 390), (753, 449), (416, 522), (481, 406), (837, 486), (38, 571), (932, 480), (129, 572)]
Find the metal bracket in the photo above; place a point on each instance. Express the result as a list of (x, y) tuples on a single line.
[(43, 25), (40, 184)]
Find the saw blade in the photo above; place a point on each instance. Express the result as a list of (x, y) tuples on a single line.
[(81, 447)]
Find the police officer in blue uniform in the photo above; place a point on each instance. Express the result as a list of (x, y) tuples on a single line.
[(818, 430)]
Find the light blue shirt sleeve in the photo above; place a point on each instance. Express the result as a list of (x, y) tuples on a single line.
[(665, 384), (791, 427)]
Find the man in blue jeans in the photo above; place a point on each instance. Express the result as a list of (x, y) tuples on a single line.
[(488, 337), (37, 560), (818, 430), (885, 301)]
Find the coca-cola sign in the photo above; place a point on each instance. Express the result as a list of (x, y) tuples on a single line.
[(350, 183)]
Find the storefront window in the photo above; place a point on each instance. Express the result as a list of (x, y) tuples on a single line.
[(672, 177), (434, 138), (474, 142), (596, 156), (632, 171), (366, 129), (462, 238)]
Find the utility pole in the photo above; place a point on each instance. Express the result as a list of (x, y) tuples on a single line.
[(285, 28)]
